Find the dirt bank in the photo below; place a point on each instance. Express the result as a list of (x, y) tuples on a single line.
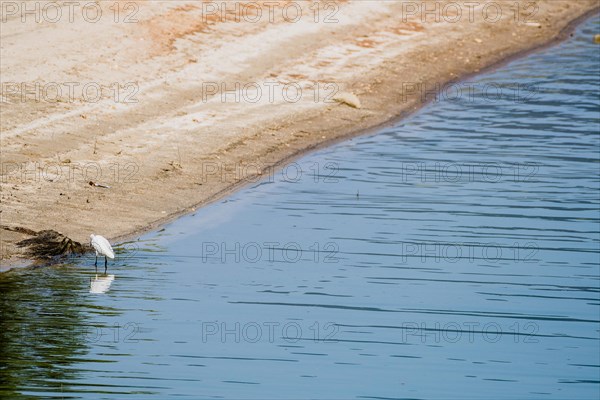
[(173, 104)]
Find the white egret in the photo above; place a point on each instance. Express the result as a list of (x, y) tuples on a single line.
[(102, 247)]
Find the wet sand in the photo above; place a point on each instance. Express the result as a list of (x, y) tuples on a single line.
[(166, 106)]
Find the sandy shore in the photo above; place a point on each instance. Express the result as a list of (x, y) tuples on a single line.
[(174, 104)]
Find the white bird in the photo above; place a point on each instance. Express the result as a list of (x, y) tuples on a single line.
[(103, 248)]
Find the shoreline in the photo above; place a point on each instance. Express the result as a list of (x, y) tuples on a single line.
[(560, 37), (284, 151)]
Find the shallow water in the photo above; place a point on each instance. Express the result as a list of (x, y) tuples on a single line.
[(455, 255)]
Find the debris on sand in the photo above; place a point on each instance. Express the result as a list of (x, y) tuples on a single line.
[(99, 185), (19, 229), (48, 244), (175, 165), (348, 98)]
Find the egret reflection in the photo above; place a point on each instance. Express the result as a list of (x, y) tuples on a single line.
[(101, 284)]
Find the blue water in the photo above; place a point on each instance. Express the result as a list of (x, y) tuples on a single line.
[(455, 255)]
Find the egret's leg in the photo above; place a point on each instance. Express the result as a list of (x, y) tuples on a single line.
[(96, 263), (105, 264)]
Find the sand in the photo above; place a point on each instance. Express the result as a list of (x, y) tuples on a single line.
[(115, 120)]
